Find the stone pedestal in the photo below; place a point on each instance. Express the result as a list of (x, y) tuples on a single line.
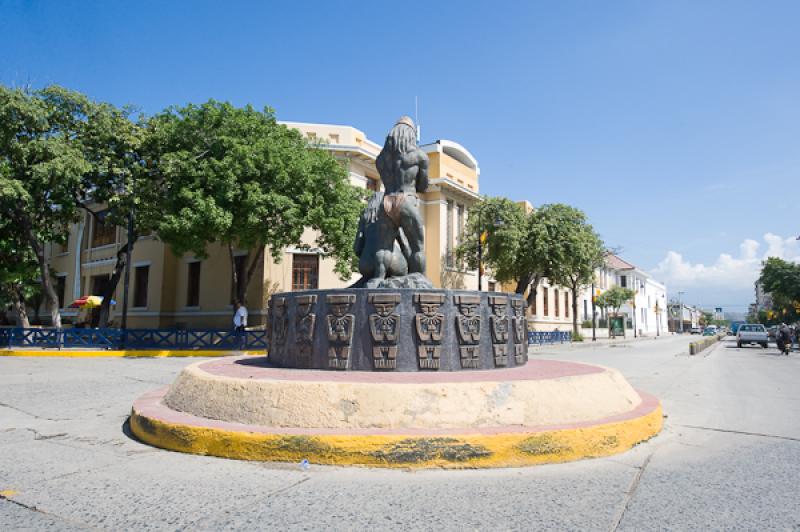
[(547, 411), (397, 330)]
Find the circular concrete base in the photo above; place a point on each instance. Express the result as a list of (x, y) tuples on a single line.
[(543, 412)]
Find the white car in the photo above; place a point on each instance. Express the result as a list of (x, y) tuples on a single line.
[(751, 333)]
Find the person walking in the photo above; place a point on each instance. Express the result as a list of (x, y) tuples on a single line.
[(239, 316), (240, 322)]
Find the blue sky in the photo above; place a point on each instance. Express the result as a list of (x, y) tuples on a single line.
[(675, 125)]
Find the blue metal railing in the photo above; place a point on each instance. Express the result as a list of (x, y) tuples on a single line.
[(133, 338), (172, 338), (549, 337)]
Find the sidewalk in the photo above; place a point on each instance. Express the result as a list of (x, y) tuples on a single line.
[(600, 342), (78, 352)]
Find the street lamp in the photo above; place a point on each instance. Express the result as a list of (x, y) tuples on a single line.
[(594, 315), (680, 309)]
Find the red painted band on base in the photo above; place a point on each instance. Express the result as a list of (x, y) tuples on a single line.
[(249, 367)]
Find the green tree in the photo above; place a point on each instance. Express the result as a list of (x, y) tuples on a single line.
[(111, 145), (505, 225), (42, 169), (19, 278), (232, 175), (782, 280), (525, 247), (613, 299), (577, 251)]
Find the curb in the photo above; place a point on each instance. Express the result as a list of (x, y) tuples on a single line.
[(469, 450), (128, 353)]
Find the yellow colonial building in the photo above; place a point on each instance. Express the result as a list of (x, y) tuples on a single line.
[(185, 291)]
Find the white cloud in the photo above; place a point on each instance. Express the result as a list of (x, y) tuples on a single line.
[(735, 273)]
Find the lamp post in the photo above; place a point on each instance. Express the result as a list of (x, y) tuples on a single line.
[(680, 309), (594, 317)]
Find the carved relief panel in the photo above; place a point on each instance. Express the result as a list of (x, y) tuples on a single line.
[(499, 325), (280, 328), (339, 326), (384, 327), (520, 331), (304, 322), (468, 325), (429, 323)]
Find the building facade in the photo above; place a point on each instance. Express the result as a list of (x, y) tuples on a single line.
[(187, 291), (646, 313)]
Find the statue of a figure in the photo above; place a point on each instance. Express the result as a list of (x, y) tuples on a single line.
[(391, 235)]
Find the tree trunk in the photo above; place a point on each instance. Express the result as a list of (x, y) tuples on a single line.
[(44, 270), (234, 275), (19, 307), (239, 286), (251, 270), (523, 284), (111, 286), (536, 279)]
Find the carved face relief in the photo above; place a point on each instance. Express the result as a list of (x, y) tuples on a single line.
[(281, 323), (339, 329), (429, 324), (468, 322), (384, 327)]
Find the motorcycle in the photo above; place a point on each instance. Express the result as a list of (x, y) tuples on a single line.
[(784, 347)]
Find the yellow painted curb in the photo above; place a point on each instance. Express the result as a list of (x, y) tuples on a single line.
[(132, 353), (458, 451)]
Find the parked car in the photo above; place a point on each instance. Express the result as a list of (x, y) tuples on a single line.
[(696, 330), (752, 333)]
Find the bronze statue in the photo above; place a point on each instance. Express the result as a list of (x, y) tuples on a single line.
[(391, 234)]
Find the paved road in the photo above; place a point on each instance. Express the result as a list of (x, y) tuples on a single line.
[(729, 458)]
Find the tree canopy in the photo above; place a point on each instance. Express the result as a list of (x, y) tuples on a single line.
[(43, 167), (554, 241), (505, 225), (576, 251), (220, 173), (614, 298), (781, 279), (61, 153)]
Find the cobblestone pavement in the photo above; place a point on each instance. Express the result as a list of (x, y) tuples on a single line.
[(728, 458)]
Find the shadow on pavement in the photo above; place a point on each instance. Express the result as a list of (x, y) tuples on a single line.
[(259, 362)]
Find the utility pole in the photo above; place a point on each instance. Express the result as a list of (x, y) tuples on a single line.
[(594, 317), (680, 309), (128, 253)]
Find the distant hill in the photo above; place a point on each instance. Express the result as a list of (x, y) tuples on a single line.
[(735, 316)]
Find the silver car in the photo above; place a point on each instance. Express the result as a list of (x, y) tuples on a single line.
[(751, 333)]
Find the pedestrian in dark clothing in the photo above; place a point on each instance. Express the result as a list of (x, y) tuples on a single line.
[(784, 339)]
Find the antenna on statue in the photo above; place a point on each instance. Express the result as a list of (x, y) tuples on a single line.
[(416, 117)]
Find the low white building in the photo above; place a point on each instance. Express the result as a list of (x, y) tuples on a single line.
[(646, 315)]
